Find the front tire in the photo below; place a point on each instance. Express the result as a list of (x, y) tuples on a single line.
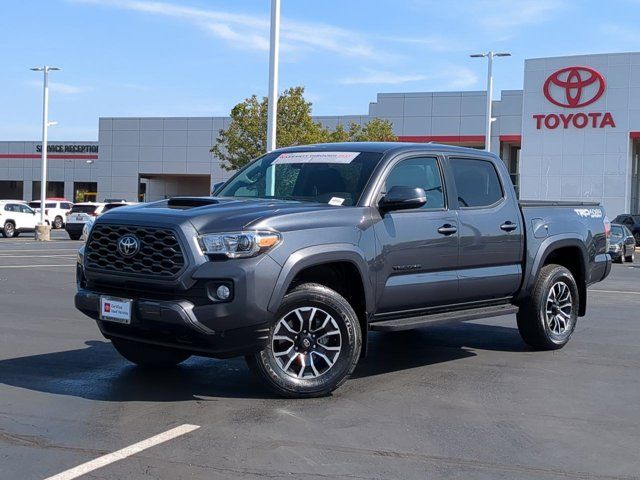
[(313, 346), (149, 356), (548, 318), (630, 258), (74, 236)]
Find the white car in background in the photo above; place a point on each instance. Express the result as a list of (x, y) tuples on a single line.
[(55, 210), (107, 207), (80, 214), (16, 217)]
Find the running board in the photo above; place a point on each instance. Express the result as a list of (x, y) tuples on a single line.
[(455, 316)]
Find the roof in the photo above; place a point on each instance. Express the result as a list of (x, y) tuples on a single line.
[(382, 147)]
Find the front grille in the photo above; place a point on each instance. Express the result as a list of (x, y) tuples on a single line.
[(160, 254)]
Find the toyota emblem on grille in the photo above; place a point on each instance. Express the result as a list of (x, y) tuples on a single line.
[(128, 245)]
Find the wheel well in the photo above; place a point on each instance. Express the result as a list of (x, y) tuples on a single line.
[(344, 278), (571, 259)]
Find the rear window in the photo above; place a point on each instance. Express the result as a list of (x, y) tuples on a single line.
[(111, 206), (83, 208), (477, 182)]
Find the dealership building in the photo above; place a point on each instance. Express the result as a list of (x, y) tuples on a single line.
[(572, 133)]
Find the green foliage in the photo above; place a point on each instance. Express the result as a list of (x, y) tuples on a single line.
[(246, 136)]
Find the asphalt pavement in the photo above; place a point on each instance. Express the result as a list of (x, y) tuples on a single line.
[(460, 401)]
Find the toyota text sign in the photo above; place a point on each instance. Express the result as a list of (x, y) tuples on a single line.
[(573, 88)]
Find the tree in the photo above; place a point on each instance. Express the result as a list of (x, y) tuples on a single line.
[(246, 136)]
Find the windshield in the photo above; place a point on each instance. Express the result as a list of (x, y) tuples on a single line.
[(337, 178), (616, 231)]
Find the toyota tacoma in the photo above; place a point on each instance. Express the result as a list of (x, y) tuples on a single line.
[(307, 249)]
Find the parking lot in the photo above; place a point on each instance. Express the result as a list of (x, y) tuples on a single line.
[(455, 401)]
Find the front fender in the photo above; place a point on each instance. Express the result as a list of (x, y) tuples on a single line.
[(318, 255)]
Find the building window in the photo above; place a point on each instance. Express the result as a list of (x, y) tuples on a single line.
[(54, 190), (513, 165), (85, 191), (11, 190)]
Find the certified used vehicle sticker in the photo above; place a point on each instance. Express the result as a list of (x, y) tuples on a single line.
[(316, 157)]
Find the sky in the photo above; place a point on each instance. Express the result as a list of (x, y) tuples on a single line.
[(201, 57)]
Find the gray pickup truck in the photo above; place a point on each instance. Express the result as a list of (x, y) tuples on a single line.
[(307, 249)]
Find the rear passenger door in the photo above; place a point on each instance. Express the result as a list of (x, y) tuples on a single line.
[(491, 239), (418, 247)]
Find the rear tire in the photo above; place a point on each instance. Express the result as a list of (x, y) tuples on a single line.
[(58, 223), (149, 356), (9, 230), (314, 345), (548, 318)]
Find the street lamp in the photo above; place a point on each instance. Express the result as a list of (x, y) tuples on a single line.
[(42, 229), (489, 55), (274, 53)]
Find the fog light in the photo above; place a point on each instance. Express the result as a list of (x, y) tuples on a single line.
[(223, 292)]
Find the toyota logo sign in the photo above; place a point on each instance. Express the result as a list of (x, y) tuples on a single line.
[(128, 245), (574, 87)]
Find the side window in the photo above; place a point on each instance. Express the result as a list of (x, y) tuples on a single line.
[(12, 207), (26, 209), (419, 172), (477, 182)]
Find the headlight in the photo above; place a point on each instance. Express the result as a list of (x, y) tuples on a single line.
[(238, 244)]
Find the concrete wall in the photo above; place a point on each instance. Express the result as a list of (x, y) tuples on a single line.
[(25, 163)]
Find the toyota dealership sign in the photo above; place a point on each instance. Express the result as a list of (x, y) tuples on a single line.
[(574, 88)]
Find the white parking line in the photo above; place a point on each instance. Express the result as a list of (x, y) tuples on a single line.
[(613, 291), (39, 266), (124, 453)]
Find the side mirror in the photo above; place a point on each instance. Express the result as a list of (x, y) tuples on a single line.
[(216, 187), (403, 198)]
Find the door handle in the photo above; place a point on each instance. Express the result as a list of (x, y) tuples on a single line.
[(508, 226), (447, 229)]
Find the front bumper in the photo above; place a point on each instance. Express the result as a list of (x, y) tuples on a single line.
[(177, 324)]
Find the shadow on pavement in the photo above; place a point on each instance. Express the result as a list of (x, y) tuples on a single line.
[(97, 372)]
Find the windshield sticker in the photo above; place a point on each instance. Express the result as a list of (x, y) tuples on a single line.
[(589, 212), (336, 201), (316, 157)]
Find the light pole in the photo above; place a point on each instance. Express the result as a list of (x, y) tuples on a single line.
[(490, 54), (43, 230), (274, 53)]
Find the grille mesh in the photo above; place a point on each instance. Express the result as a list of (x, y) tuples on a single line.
[(160, 254)]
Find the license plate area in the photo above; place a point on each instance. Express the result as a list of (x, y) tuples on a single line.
[(117, 310)]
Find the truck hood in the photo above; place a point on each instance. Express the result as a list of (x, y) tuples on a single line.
[(209, 214)]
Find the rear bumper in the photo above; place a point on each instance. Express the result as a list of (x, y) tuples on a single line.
[(179, 324), (74, 227)]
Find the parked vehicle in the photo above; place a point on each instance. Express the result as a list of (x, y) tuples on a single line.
[(632, 222), (16, 217), (79, 214), (307, 249), (107, 207), (55, 210), (622, 245)]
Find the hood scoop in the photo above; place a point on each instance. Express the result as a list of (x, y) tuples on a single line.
[(184, 203)]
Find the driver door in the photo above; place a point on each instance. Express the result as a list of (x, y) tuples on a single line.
[(418, 247), (28, 217)]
